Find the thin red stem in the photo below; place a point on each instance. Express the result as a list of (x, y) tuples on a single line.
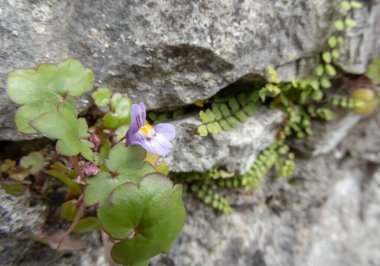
[(107, 250)]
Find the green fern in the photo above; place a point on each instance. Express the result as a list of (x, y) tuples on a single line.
[(209, 194), (276, 155), (224, 115), (346, 102)]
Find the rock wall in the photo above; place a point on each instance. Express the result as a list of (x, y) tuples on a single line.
[(172, 53)]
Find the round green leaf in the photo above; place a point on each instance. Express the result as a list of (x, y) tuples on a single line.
[(126, 164), (69, 210), (330, 70), (67, 78), (339, 25), (86, 225), (148, 217), (102, 97), (326, 57), (34, 161), (70, 131), (41, 90), (332, 41)]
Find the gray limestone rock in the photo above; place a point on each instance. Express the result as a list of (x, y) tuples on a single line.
[(364, 142), (235, 149), (327, 216), (171, 53), (326, 135), (18, 219)]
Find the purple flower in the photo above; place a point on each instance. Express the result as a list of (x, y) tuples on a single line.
[(96, 141), (155, 139), (90, 170)]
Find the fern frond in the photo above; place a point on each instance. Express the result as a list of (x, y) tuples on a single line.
[(209, 195), (224, 115)]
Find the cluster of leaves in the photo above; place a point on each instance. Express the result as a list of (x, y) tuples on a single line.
[(207, 185), (226, 113), (277, 156), (302, 101), (15, 175), (137, 205)]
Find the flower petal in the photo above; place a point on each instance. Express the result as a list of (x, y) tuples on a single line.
[(159, 144), (138, 116), (168, 130)]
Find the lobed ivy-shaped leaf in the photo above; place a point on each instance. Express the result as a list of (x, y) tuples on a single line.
[(102, 97), (146, 217), (126, 164), (71, 132), (223, 116), (41, 90), (33, 161), (120, 114)]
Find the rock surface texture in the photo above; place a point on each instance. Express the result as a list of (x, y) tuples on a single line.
[(327, 215), (236, 149), (171, 53), (18, 219)]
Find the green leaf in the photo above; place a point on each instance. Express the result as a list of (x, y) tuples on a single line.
[(330, 70), (69, 210), (356, 5), (317, 95), (319, 69), (41, 90), (339, 25), (120, 116), (232, 121), (112, 120), (202, 130), (233, 103), (332, 41), (126, 165), (214, 128), (373, 71), (148, 217), (346, 5), (325, 83), (335, 54), (216, 112), (70, 131), (33, 161), (314, 83), (102, 97), (340, 40), (224, 109), (7, 165), (61, 176), (326, 56), (13, 188), (350, 23), (86, 225), (120, 133)]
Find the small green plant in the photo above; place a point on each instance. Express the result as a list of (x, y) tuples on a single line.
[(111, 167), (207, 186), (301, 100)]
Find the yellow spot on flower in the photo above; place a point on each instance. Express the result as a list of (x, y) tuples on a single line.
[(147, 130)]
